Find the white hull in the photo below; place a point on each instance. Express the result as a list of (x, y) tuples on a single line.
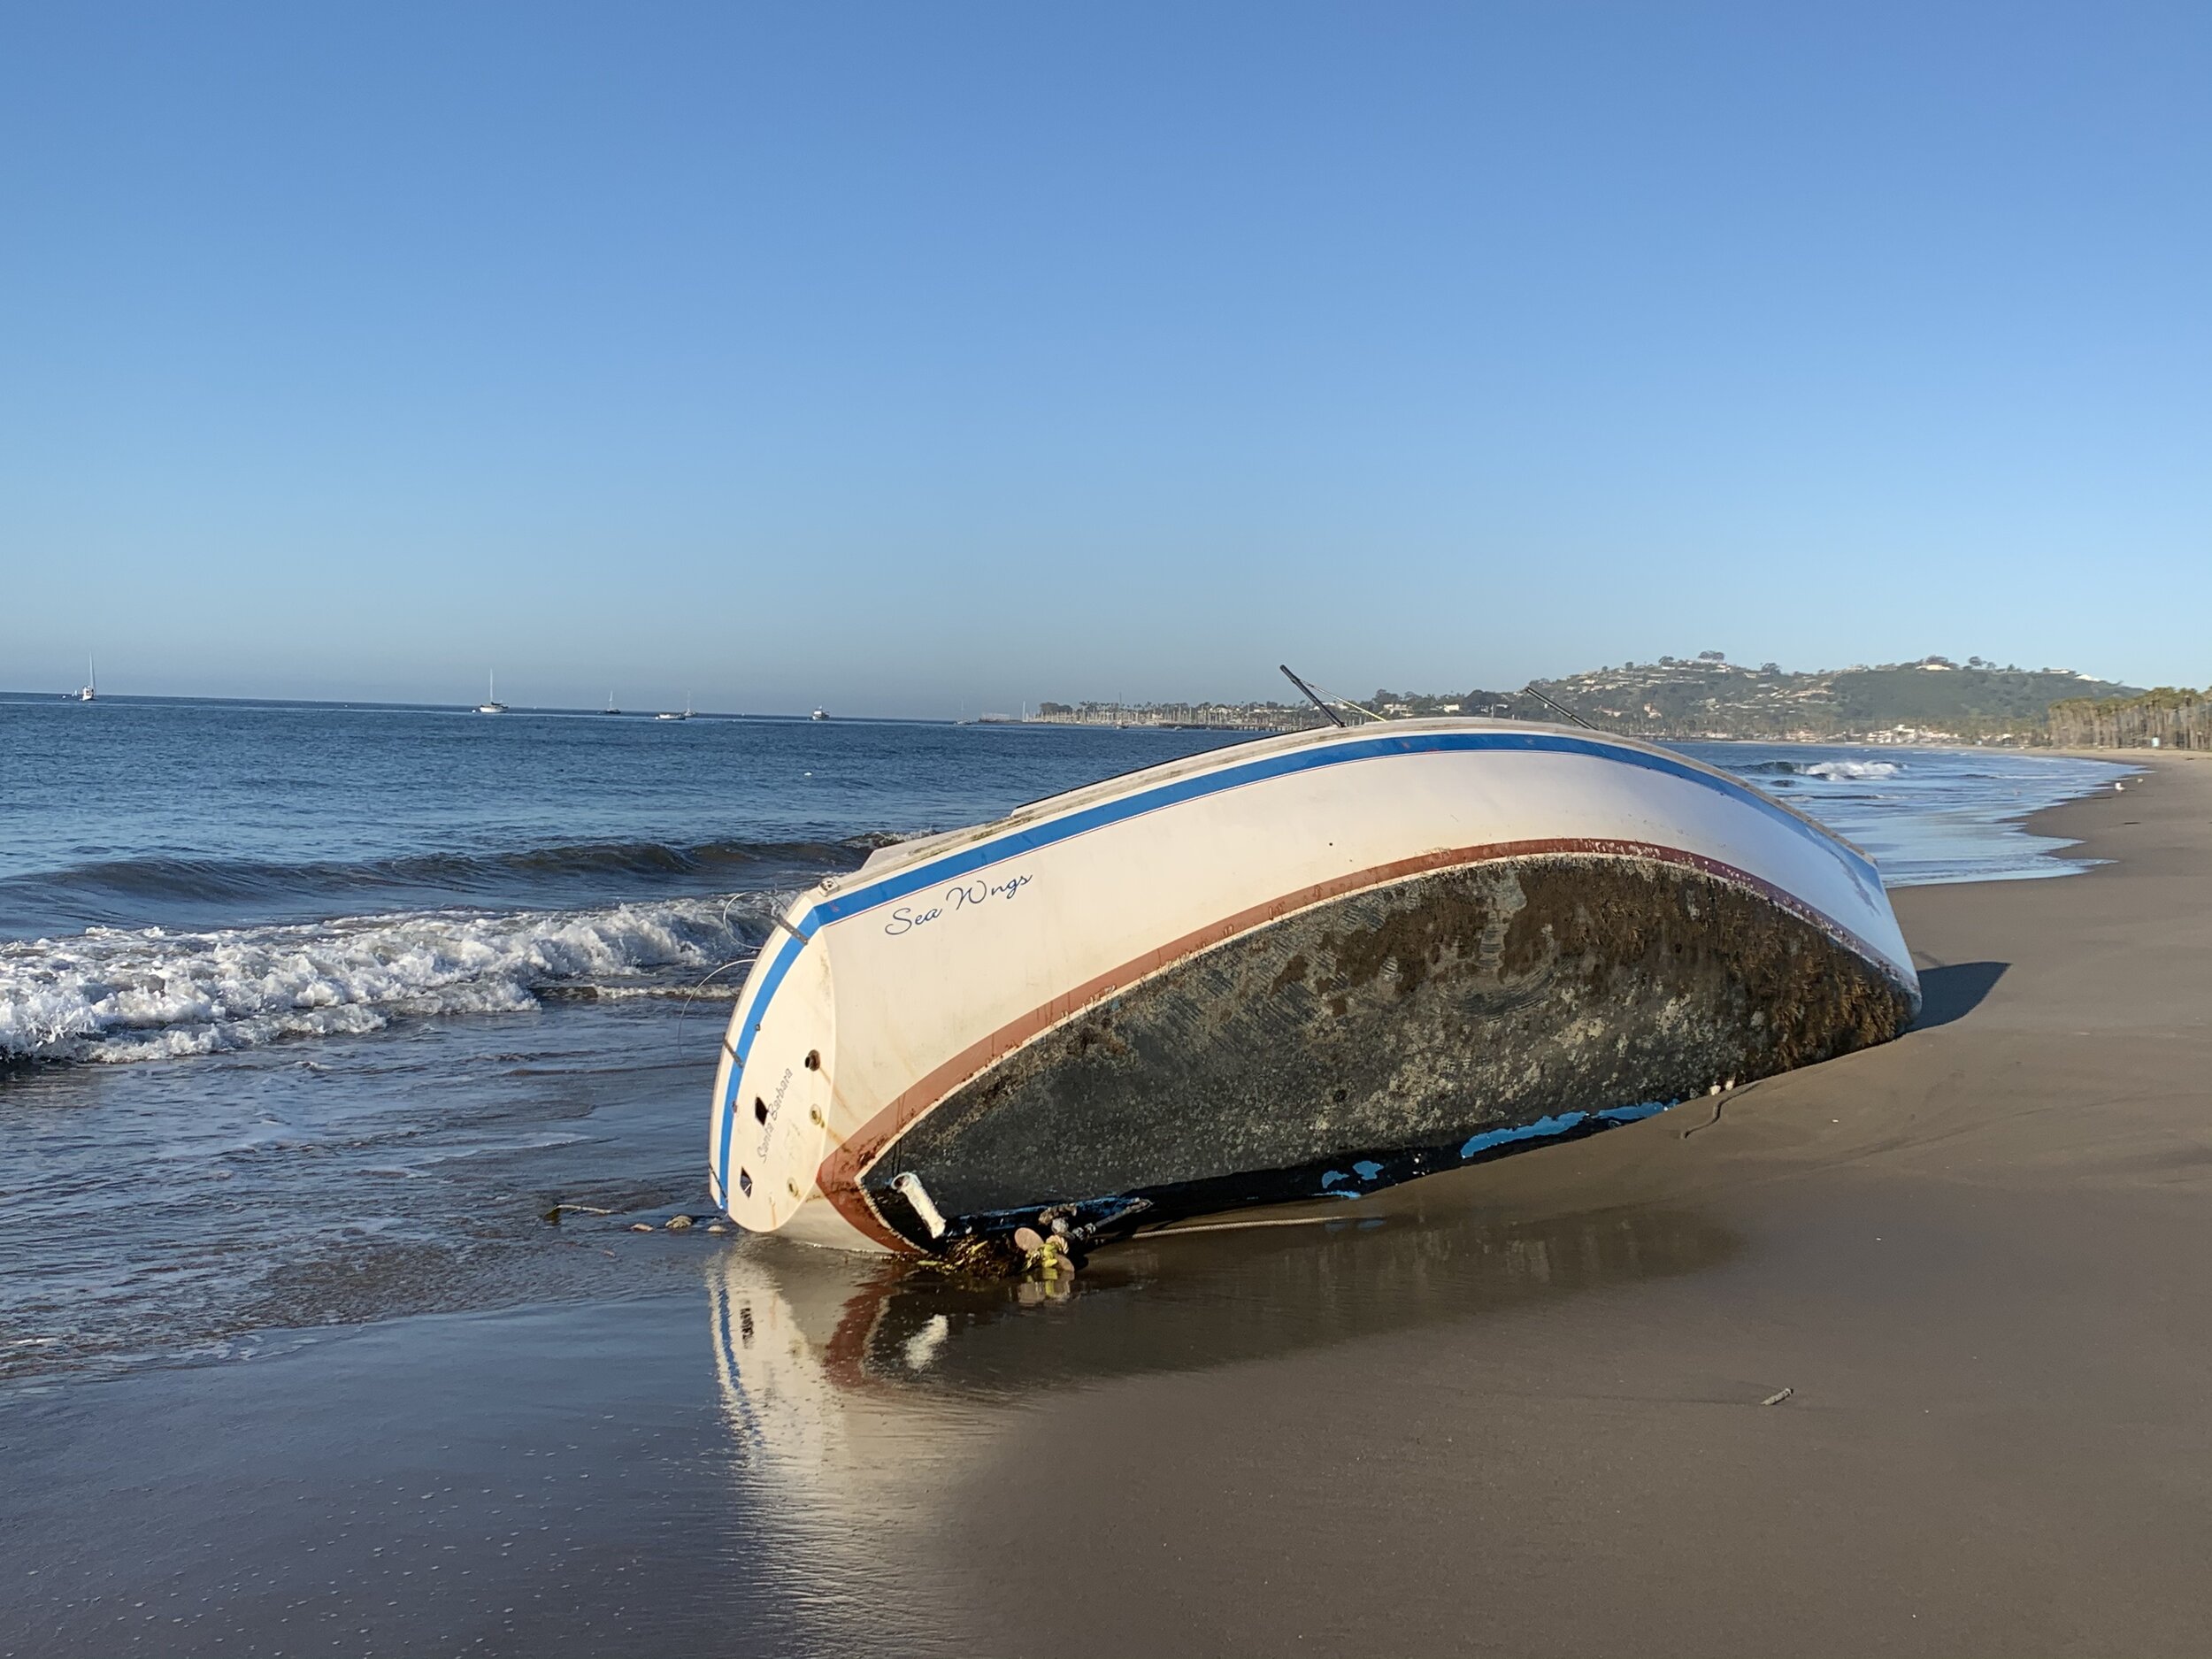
[(1387, 940)]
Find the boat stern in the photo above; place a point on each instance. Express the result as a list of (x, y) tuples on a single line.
[(774, 1094)]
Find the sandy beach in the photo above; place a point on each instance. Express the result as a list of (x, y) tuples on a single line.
[(1975, 1256), (1903, 1354)]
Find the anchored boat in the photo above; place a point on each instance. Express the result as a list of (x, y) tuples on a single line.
[(1311, 966)]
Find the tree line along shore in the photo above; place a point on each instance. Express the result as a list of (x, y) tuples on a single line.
[(2168, 718)]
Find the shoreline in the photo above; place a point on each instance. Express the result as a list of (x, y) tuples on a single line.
[(1517, 1407)]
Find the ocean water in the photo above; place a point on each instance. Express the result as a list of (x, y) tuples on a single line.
[(1926, 815), (310, 1016)]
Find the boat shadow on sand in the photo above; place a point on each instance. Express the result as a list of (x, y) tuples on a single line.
[(1955, 989)]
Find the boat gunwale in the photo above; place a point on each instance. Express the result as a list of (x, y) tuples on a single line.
[(888, 861)]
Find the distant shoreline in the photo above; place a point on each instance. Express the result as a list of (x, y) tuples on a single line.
[(1263, 720)]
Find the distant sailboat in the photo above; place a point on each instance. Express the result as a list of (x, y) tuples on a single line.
[(491, 703), (686, 715), (89, 692), (611, 709)]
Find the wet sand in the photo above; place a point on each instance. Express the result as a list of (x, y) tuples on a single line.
[(1517, 1408)]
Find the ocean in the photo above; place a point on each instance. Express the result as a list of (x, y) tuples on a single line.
[(310, 1015)]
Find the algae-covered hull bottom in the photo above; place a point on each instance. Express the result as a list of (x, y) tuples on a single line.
[(1309, 967), (1399, 1031)]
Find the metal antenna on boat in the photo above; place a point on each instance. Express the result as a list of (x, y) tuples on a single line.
[(1312, 696), (1560, 708), (1341, 702)]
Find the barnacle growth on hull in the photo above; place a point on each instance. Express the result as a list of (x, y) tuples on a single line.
[(1408, 1028)]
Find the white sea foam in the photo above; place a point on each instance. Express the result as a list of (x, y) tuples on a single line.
[(1852, 769), (117, 994)]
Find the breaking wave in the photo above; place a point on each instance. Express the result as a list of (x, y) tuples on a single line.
[(1834, 771), (1852, 769), (114, 994)]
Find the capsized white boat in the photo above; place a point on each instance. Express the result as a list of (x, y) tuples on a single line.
[(1314, 964)]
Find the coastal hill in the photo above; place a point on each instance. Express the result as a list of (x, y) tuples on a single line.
[(1931, 701)]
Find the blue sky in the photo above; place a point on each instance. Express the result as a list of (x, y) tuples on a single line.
[(914, 358)]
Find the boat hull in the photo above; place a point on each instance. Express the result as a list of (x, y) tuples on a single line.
[(1313, 965)]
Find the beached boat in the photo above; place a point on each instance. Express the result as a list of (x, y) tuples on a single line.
[(1311, 966)]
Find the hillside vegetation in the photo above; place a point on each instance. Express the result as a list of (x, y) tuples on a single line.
[(1933, 700)]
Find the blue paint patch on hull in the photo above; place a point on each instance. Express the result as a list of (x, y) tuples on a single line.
[(1563, 1122), (1541, 1129)]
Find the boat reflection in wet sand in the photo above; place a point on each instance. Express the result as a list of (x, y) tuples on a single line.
[(857, 1391), (1310, 966), (794, 1329)]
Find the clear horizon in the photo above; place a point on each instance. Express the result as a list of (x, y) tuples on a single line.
[(918, 364)]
